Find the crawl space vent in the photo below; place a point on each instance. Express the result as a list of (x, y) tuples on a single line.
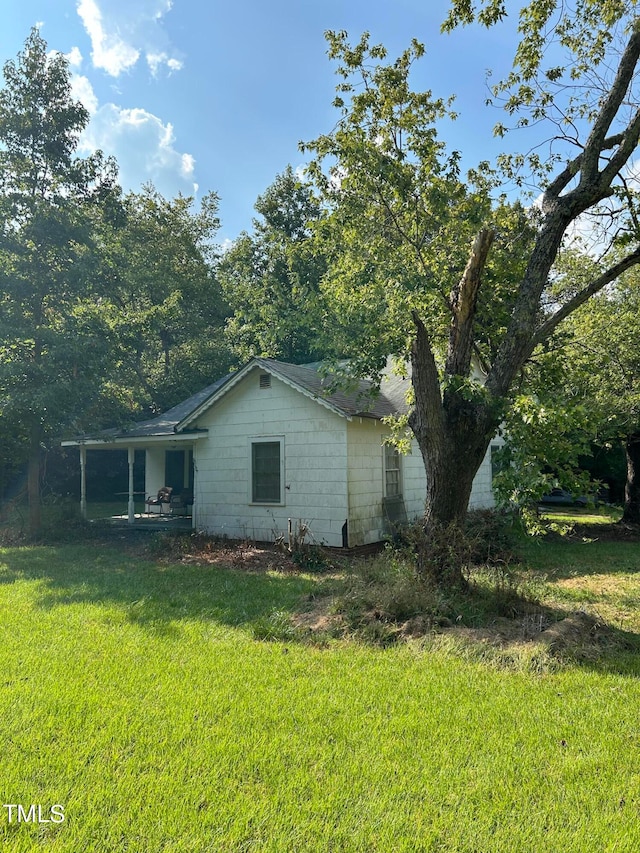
[(265, 380)]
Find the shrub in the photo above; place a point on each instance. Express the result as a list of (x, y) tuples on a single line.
[(387, 589), (492, 536)]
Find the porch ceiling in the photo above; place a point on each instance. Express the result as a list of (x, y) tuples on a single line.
[(122, 442)]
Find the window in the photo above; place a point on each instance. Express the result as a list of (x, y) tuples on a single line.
[(498, 461), (392, 480), (267, 471)]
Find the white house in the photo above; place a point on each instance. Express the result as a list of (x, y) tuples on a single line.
[(269, 447)]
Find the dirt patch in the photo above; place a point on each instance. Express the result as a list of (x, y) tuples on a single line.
[(618, 532), (320, 618), (574, 631), (248, 558)]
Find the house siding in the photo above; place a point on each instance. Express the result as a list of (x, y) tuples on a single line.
[(482, 491), (367, 520), (315, 464), (365, 479)]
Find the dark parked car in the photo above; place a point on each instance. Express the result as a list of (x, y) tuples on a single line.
[(562, 497)]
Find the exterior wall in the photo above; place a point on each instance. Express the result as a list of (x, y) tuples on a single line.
[(315, 464), (367, 518), (482, 493), (366, 481), (154, 470), (415, 482)]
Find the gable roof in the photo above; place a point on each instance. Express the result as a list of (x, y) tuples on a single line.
[(360, 400)]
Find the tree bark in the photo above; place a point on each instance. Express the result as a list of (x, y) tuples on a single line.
[(453, 432), (33, 482), (464, 302), (631, 514)]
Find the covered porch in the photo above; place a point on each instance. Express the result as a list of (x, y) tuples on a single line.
[(168, 462)]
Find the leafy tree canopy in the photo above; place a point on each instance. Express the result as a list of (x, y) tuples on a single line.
[(52, 341), (428, 261), (271, 278), (166, 310)]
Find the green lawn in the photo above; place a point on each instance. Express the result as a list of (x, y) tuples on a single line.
[(134, 693)]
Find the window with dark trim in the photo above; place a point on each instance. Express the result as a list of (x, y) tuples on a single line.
[(266, 472), (392, 478)]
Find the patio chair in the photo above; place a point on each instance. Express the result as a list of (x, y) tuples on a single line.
[(179, 504), (163, 498)]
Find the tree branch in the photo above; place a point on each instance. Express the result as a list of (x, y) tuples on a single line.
[(464, 300), (582, 296), (610, 107), (427, 417)]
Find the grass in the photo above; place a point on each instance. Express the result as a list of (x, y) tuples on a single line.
[(602, 515), (135, 692), (60, 512)]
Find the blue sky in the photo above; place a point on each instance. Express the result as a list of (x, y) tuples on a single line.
[(199, 95)]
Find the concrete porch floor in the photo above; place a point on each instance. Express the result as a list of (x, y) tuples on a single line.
[(155, 522)]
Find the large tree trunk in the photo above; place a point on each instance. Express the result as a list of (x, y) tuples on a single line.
[(631, 514), (33, 482), (453, 425), (453, 433)]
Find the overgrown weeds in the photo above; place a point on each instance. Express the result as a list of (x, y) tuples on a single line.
[(382, 592), (445, 553), (387, 596), (60, 522), (407, 590)]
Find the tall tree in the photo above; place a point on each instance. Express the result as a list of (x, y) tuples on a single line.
[(167, 312), (395, 193), (51, 336), (603, 366), (271, 277)]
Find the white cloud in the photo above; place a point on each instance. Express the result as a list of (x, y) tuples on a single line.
[(122, 31), (82, 90), (143, 147), (74, 57), (109, 52), (155, 61)]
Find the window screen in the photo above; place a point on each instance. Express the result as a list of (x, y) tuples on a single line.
[(265, 472), (392, 485)]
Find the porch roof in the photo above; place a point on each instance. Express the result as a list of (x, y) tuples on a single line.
[(163, 426)]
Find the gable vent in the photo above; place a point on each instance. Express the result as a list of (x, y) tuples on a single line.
[(265, 380)]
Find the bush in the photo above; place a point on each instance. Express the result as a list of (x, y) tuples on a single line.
[(445, 553), (387, 589), (492, 537)]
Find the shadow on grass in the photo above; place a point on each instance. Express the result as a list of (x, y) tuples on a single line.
[(562, 557), (151, 594), (158, 595)]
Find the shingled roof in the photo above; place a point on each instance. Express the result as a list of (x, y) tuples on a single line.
[(361, 399)]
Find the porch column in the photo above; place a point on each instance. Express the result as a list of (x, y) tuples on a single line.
[(83, 481), (131, 453)]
